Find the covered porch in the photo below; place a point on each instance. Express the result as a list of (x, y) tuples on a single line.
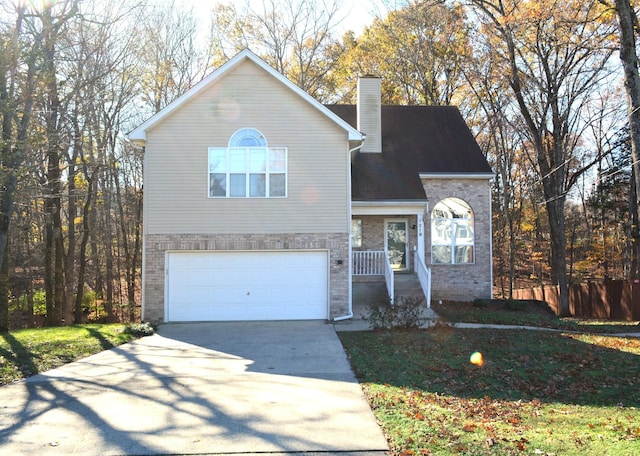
[(388, 246)]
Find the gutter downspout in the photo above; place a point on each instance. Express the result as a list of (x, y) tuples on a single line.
[(350, 314)]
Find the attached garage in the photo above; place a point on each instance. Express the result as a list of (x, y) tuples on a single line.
[(251, 285)]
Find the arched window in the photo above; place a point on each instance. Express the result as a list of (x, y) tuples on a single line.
[(452, 239), (247, 168), (247, 137)]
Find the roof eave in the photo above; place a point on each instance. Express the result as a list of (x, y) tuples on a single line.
[(456, 175), (384, 202), (389, 207)]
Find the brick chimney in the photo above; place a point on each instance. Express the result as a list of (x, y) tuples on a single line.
[(368, 108)]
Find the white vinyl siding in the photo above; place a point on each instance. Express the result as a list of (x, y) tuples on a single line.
[(317, 163)]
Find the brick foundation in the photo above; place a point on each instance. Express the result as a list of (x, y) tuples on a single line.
[(156, 246)]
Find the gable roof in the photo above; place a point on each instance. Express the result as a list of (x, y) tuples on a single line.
[(416, 140), (139, 133)]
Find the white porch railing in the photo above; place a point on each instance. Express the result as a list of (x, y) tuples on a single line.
[(374, 262), (424, 276), (368, 262)]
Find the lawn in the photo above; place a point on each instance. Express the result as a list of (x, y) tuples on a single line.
[(531, 392), (27, 352), (529, 313)]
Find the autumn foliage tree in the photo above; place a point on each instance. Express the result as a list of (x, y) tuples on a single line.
[(418, 51), (554, 55)]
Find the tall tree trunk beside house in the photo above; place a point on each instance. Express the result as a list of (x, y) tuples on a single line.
[(634, 230), (135, 263), (54, 243), (82, 254), (130, 251), (551, 79), (72, 216), (628, 26), (108, 243), (17, 86), (57, 142)]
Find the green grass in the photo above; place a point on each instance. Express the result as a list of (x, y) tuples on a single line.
[(534, 313), (536, 393), (27, 352)]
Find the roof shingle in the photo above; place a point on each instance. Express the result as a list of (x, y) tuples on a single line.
[(415, 139)]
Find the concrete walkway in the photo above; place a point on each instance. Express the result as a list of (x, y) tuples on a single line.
[(214, 388)]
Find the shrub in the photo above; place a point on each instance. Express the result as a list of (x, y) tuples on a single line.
[(404, 314), (140, 329), (21, 304), (480, 303), (514, 304), (409, 313), (379, 313)]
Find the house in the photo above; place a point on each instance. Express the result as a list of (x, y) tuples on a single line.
[(261, 203)]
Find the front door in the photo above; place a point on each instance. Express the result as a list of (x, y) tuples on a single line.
[(395, 243)]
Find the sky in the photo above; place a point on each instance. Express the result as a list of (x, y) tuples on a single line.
[(357, 13)]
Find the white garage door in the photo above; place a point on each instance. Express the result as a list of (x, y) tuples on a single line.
[(220, 286)]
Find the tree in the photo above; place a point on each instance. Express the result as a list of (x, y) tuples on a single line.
[(419, 52), (554, 56), (628, 27), (169, 60), (74, 170), (294, 37), (500, 137), (609, 210), (18, 78), (53, 23)]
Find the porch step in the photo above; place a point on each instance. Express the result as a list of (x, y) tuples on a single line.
[(407, 285)]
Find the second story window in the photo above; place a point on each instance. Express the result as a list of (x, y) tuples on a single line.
[(247, 168)]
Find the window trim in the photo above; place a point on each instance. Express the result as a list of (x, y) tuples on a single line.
[(451, 223), (273, 157)]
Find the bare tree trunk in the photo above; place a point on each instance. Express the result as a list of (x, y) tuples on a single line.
[(13, 148), (626, 22), (134, 261), (634, 232), (108, 233), (4, 284), (555, 209), (83, 248), (54, 275), (72, 211), (94, 243), (54, 251)]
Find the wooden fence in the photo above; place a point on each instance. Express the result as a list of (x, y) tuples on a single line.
[(613, 300)]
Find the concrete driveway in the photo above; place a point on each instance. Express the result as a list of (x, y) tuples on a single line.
[(201, 388)]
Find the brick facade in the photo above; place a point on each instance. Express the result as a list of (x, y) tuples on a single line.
[(463, 282), (156, 246)]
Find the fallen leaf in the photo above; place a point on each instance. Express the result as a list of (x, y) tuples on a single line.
[(469, 427)]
